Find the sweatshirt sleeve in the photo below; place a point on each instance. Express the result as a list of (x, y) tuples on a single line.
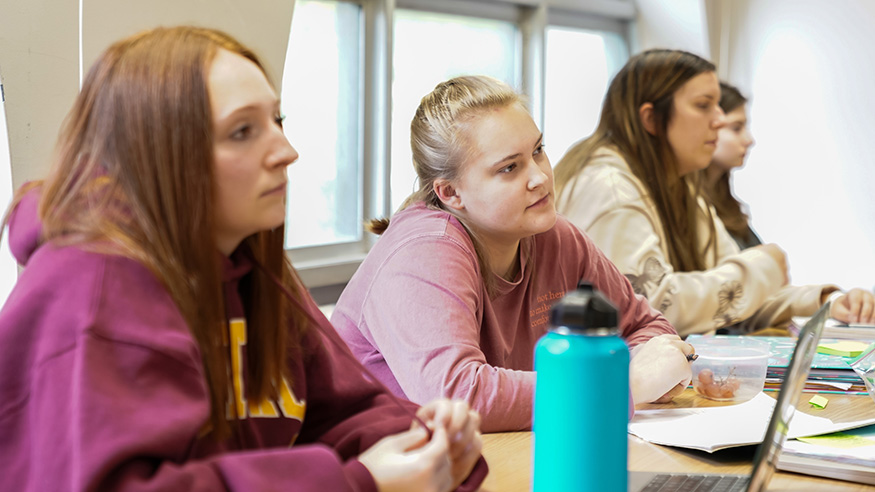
[(346, 409), (639, 321), (618, 219), (775, 309), (423, 311)]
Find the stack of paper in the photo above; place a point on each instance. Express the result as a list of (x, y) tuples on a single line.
[(830, 373), (846, 455)]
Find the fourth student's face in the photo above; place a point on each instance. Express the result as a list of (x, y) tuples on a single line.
[(250, 150), (506, 184), (733, 141), (694, 122)]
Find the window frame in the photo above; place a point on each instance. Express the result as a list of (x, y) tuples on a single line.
[(329, 265)]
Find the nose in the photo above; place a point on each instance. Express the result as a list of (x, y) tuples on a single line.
[(749, 139), (537, 176), (282, 153), (719, 120)]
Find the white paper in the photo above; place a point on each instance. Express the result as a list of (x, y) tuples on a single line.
[(715, 428)]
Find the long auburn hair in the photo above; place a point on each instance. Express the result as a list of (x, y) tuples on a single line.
[(729, 208), (437, 141), (652, 76), (133, 176)]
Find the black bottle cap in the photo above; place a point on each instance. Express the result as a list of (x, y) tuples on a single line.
[(585, 308)]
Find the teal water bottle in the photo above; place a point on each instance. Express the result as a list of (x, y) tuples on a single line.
[(581, 398)]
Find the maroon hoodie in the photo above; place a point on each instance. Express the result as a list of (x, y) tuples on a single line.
[(103, 388)]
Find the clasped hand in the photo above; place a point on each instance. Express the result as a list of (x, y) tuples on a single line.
[(412, 461)]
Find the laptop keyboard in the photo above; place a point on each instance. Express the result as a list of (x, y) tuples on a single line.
[(697, 483)]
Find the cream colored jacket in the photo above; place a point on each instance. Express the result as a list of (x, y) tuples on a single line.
[(613, 207)]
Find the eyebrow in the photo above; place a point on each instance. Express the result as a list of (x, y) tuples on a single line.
[(274, 105), (514, 156)]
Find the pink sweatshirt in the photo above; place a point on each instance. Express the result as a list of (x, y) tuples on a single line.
[(418, 315)]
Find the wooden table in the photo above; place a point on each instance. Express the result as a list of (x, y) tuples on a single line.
[(510, 454)]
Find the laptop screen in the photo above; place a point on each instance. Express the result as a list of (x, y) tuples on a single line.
[(794, 380)]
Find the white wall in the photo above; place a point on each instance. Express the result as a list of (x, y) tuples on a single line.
[(807, 65), (673, 24)]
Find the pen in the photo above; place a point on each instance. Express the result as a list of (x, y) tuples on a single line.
[(692, 357)]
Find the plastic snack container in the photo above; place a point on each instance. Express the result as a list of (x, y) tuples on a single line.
[(729, 368)]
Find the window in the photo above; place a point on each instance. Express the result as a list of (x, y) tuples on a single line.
[(349, 61), (428, 49), (580, 64), (321, 90)]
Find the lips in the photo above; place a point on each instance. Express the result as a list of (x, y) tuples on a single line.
[(279, 189), (540, 202)]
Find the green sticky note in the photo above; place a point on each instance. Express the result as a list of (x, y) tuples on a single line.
[(838, 440), (845, 348), (818, 401)]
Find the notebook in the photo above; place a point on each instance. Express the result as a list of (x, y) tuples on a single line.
[(769, 450), (847, 455)]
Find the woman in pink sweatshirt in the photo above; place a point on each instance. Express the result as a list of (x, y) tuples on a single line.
[(452, 298), (158, 339)]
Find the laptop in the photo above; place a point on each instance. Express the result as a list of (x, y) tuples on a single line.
[(768, 451)]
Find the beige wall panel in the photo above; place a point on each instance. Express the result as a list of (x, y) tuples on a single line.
[(39, 63), (261, 24)]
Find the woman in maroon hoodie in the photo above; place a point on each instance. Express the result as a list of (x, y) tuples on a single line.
[(158, 338)]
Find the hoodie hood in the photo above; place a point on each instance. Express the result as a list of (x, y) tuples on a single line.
[(25, 227)]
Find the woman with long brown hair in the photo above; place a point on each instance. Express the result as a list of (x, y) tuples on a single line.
[(634, 187), (158, 338)]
